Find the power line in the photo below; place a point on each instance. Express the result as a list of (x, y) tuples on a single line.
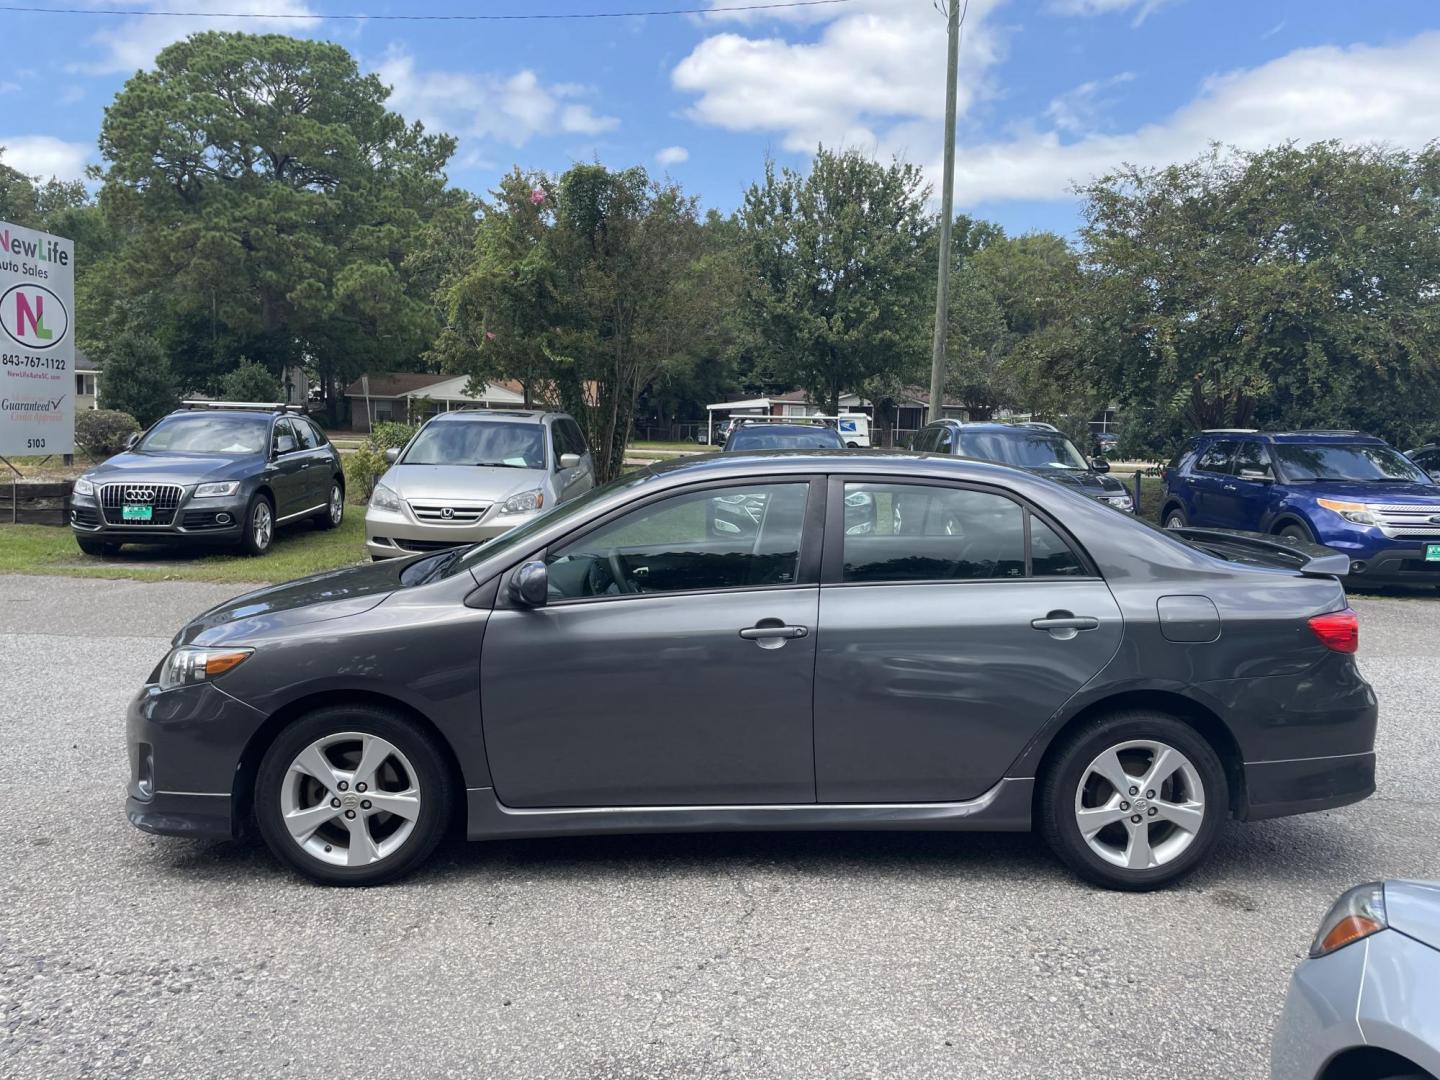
[(31, 10)]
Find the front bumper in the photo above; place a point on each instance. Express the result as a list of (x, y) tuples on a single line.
[(390, 535), (218, 519), (184, 746)]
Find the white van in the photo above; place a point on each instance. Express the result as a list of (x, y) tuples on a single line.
[(854, 428)]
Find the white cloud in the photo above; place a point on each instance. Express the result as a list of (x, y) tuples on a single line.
[(673, 155), (510, 109), (46, 156), (129, 44), (876, 65), (1080, 109), (1362, 93), (9, 87), (1108, 7)]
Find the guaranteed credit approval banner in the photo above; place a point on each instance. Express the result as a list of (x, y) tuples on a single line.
[(37, 343)]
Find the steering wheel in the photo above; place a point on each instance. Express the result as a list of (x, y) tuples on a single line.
[(622, 580)]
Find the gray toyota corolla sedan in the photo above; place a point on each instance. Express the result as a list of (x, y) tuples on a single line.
[(803, 640)]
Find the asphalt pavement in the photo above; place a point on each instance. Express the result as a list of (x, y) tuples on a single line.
[(837, 955)]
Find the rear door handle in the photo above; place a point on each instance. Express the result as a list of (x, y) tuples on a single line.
[(1228, 487), (1063, 625), (761, 633)]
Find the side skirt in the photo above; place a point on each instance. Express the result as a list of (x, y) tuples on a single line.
[(1004, 808)]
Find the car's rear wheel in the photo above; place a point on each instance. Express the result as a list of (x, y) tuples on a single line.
[(1134, 800), (353, 795), (90, 546), (334, 512), (1174, 518), (259, 530)]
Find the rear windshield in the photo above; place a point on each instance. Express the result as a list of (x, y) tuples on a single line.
[(759, 438), (478, 442), (1026, 449), (208, 433), (1363, 462)]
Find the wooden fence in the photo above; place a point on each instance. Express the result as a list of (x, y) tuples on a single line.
[(25, 502)]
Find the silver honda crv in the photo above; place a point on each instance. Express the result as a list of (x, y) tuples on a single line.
[(471, 475)]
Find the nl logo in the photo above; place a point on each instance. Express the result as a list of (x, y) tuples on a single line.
[(33, 316)]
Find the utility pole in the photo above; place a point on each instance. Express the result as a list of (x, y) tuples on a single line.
[(947, 209)]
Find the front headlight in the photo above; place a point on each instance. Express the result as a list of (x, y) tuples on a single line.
[(1356, 915), (1359, 513), (215, 491), (190, 665), (1120, 502), (382, 498), (84, 487), (524, 503)]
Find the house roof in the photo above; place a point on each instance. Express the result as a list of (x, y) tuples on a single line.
[(84, 363), (386, 384)]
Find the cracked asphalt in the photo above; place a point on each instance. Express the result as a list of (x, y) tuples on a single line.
[(799, 955)]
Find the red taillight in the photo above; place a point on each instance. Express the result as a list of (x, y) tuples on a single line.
[(1338, 630)]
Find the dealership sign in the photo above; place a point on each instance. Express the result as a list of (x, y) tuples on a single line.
[(37, 343)]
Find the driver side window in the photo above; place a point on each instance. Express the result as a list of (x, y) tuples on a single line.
[(720, 538)]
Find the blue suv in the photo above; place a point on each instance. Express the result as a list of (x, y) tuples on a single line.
[(1346, 490)]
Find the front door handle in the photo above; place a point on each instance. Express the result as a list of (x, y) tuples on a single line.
[(1229, 487), (762, 633), (1063, 626)]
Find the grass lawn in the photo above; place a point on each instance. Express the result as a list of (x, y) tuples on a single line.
[(693, 447), (299, 549)]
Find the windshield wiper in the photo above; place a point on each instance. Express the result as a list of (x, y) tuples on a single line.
[(500, 465)]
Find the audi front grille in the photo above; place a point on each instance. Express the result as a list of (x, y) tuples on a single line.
[(163, 499)]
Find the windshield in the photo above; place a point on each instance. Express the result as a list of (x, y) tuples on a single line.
[(1362, 462), (760, 439), (478, 442), (1026, 449), (207, 433)]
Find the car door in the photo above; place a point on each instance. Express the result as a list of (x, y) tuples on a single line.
[(673, 663), (315, 459), (946, 642), (1204, 484), (576, 479), (286, 472), (1244, 494)]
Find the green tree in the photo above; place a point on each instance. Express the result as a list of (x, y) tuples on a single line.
[(137, 379), (250, 381), (837, 279), (1297, 287), (267, 202), (36, 203)]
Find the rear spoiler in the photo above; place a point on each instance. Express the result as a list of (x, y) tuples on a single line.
[(1263, 549)]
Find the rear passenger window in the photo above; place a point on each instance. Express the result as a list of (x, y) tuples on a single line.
[(304, 433), (1216, 458), (914, 532), (1252, 462)]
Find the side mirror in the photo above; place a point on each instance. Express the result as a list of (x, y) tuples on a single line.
[(392, 455), (285, 444), (569, 461), (132, 439), (530, 584), (1099, 464)]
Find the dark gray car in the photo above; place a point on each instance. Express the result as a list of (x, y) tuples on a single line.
[(779, 641), (215, 473)]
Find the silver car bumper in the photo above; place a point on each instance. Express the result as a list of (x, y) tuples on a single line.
[(390, 535), (1383, 992)]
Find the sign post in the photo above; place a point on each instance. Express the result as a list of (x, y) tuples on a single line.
[(37, 343)]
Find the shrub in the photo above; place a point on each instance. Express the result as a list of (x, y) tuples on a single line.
[(136, 378), (368, 463), (250, 382), (102, 432)]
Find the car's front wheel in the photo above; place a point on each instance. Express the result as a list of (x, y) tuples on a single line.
[(353, 795), (259, 531), (1134, 800)]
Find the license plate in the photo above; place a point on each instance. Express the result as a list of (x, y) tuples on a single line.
[(144, 513), (1432, 552)]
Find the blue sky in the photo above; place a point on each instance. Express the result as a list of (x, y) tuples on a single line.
[(1052, 91)]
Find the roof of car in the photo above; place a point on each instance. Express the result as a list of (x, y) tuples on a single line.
[(711, 466), (997, 425), (1316, 436), (517, 416), (784, 429)]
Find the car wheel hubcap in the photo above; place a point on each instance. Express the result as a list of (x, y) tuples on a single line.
[(350, 799), (1174, 522), (263, 525), (337, 504), (1140, 804)]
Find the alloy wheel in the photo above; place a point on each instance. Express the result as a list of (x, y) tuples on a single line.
[(1140, 804), (337, 504), (350, 799), (263, 526)]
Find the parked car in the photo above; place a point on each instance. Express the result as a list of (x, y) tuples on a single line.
[(1344, 489), (753, 435), (1427, 457), (1035, 447), (1365, 1005), (854, 428), (469, 475), (923, 643), (211, 473)]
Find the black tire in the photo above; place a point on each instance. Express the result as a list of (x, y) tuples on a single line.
[(251, 542), (1070, 767), (1174, 518), (431, 778), (1295, 530), (91, 546), (334, 512)]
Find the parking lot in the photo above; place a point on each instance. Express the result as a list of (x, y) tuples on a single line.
[(806, 955)]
